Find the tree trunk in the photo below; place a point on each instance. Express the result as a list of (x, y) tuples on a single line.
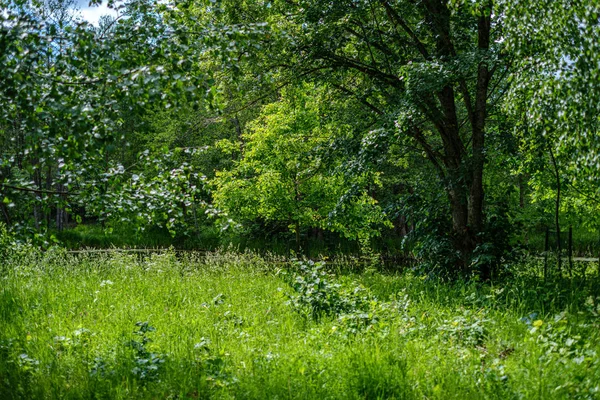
[(48, 215), (462, 235), (479, 115), (522, 188), (61, 212), (522, 193), (478, 129), (556, 211), (5, 212), (297, 237), (38, 217), (401, 226)]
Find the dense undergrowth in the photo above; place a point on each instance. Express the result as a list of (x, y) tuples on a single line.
[(208, 239), (585, 243), (236, 326)]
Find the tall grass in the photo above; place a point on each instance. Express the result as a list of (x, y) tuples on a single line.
[(122, 326), (586, 243)]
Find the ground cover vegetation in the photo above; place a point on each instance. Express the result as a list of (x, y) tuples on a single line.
[(231, 325), (439, 157)]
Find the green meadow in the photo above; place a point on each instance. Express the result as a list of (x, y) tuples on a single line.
[(225, 325)]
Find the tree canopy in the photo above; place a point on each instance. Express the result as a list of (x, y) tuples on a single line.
[(367, 119)]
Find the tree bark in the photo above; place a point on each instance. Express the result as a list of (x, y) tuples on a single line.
[(522, 188), (556, 211), (61, 212), (297, 237), (37, 212), (476, 195), (5, 213)]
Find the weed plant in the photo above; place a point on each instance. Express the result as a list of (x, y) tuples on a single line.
[(120, 326)]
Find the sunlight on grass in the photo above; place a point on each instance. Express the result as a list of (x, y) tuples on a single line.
[(226, 325)]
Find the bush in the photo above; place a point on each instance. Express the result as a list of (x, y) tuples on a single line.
[(317, 295)]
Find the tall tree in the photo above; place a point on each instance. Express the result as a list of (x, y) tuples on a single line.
[(429, 70)]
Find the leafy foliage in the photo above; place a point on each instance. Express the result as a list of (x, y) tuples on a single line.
[(317, 295), (284, 174), (460, 129), (147, 364)]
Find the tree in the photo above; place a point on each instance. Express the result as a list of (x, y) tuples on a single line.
[(65, 90), (555, 97), (283, 174), (427, 70)]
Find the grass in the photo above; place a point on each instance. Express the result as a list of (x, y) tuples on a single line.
[(586, 243), (235, 326)]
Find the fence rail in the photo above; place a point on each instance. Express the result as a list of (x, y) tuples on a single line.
[(555, 241)]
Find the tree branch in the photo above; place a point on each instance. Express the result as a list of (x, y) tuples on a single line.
[(432, 155), (363, 100), (397, 20), (37, 191), (340, 61)]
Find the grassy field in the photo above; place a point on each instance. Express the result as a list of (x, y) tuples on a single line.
[(235, 326)]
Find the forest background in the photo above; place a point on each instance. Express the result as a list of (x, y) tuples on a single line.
[(455, 134)]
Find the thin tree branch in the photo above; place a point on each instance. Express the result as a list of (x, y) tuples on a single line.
[(37, 191), (432, 155), (397, 20), (361, 99)]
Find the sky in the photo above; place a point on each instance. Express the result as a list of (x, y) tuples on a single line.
[(93, 14)]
